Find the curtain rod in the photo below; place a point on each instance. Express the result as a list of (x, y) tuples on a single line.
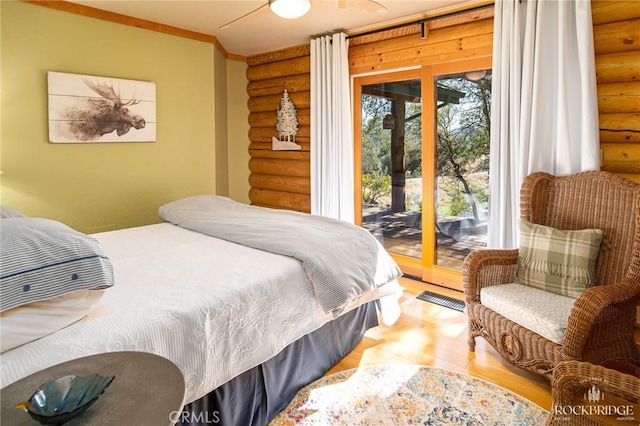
[(421, 21)]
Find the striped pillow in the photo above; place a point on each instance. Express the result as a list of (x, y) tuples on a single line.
[(562, 262), (42, 259)]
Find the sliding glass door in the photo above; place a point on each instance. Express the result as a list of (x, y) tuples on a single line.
[(422, 157), (391, 161)]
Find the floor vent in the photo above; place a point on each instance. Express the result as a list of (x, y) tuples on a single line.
[(438, 299)]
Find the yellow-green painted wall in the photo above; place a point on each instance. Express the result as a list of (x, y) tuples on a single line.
[(220, 87), (238, 129), (101, 186)]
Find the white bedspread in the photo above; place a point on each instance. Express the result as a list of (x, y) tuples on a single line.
[(340, 260), (214, 315)]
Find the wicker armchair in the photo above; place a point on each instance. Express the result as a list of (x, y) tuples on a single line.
[(600, 325), (572, 379)]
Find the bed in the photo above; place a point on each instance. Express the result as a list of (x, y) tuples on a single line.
[(247, 324)]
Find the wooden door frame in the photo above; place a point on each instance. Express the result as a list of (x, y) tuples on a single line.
[(358, 82)]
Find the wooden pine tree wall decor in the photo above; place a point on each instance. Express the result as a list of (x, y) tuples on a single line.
[(287, 126)]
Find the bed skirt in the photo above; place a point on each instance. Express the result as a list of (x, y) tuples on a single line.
[(257, 395)]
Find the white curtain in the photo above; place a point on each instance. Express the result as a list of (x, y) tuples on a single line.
[(331, 129), (545, 110)]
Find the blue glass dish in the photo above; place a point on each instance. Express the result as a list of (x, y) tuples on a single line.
[(61, 399)]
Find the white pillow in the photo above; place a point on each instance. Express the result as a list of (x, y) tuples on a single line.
[(30, 322)]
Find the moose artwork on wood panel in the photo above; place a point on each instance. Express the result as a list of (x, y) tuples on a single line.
[(84, 108)]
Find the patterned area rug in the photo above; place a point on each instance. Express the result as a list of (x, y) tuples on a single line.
[(400, 394)]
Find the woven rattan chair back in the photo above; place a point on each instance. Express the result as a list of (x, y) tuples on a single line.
[(597, 200)]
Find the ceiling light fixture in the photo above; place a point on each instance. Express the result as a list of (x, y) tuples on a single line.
[(290, 9), (476, 75)]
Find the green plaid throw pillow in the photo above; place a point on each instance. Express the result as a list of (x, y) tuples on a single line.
[(563, 262)]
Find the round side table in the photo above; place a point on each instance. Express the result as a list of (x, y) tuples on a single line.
[(147, 390)]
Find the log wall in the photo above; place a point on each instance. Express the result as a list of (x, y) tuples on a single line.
[(616, 33), (279, 179)]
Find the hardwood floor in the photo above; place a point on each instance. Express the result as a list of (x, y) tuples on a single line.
[(429, 334)]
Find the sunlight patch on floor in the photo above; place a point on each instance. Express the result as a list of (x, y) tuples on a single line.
[(453, 330), (411, 340), (354, 389), (442, 313)]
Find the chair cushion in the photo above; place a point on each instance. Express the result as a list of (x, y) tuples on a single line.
[(538, 310), (563, 262)]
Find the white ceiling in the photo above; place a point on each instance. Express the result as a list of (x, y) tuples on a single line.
[(267, 32)]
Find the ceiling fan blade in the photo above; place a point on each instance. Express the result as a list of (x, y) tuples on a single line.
[(370, 6), (262, 10)]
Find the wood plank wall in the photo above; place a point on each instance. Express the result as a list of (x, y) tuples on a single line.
[(279, 179), (616, 33), (465, 36)]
